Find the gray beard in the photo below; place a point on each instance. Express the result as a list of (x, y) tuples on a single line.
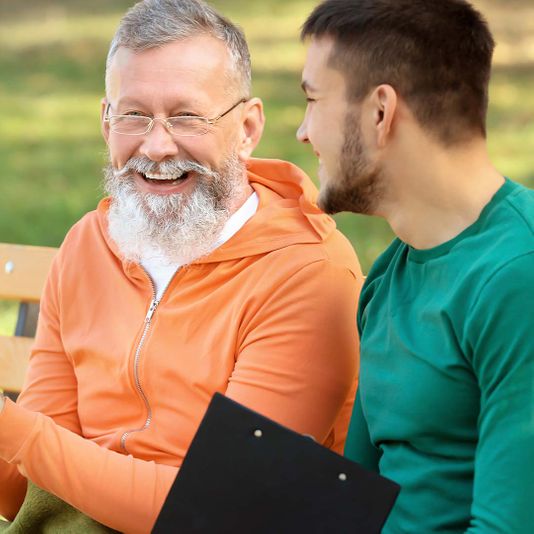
[(179, 227)]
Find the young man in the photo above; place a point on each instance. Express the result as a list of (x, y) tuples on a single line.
[(204, 271), (397, 95)]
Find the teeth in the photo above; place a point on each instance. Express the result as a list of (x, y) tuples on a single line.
[(163, 176)]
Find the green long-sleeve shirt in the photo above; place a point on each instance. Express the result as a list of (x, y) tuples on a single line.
[(446, 400)]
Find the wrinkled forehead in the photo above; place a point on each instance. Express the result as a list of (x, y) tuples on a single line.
[(202, 63)]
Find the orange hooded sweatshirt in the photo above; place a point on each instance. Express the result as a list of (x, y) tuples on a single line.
[(118, 384)]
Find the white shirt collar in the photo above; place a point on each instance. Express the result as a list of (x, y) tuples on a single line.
[(157, 265)]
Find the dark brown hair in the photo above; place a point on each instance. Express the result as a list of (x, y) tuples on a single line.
[(435, 53)]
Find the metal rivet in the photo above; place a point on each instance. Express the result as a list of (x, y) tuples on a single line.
[(258, 433), (342, 477), (9, 267)]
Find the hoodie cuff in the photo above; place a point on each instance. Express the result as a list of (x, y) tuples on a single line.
[(16, 425)]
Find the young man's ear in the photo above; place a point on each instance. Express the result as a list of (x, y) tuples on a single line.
[(253, 122), (384, 101), (104, 126)]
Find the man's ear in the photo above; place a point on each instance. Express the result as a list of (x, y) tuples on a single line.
[(253, 122), (384, 101), (104, 126)]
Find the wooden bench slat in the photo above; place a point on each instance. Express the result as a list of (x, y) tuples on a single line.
[(23, 271), (14, 357)]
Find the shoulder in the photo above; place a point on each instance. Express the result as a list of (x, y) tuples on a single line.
[(498, 252), (521, 201), (87, 226), (86, 238), (509, 225), (516, 230), (330, 263), (504, 246), (337, 250), (513, 276)]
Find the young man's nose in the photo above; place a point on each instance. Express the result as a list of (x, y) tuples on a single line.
[(302, 132)]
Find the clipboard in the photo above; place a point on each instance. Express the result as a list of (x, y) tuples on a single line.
[(244, 473)]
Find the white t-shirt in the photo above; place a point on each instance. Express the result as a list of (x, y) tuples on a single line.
[(158, 267)]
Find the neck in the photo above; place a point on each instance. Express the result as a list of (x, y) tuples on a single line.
[(242, 197), (439, 195)]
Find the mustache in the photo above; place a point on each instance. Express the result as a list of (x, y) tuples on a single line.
[(144, 165)]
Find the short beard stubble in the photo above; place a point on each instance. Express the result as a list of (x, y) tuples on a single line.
[(357, 185)]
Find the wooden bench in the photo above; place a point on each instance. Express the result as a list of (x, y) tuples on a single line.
[(23, 271)]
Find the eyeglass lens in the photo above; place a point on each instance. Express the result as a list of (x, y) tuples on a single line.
[(135, 125)]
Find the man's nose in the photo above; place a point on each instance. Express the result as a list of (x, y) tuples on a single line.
[(302, 132), (159, 144)]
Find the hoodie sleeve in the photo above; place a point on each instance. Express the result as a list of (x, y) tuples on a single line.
[(12, 490), (298, 359), (134, 490), (50, 387)]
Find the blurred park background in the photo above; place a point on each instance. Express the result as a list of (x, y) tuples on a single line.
[(52, 57)]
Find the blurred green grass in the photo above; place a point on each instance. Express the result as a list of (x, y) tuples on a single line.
[(52, 56)]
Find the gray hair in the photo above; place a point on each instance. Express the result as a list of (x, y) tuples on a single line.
[(153, 23)]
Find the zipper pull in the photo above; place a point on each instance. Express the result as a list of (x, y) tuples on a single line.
[(151, 310)]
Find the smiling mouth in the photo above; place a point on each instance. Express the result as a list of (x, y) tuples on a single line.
[(165, 179)]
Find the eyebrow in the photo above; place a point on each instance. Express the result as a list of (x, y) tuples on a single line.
[(128, 101)]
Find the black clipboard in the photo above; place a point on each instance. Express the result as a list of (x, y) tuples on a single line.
[(244, 473)]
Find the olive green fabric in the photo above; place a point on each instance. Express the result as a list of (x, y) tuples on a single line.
[(44, 513)]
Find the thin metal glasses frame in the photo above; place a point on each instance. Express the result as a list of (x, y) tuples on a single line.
[(180, 119)]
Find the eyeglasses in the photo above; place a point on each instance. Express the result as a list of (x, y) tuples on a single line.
[(184, 126)]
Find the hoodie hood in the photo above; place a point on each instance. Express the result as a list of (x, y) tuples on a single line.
[(287, 213)]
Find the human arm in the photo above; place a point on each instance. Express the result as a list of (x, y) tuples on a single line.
[(133, 490), (500, 332), (50, 387), (12, 485), (56, 397), (298, 359), (359, 447)]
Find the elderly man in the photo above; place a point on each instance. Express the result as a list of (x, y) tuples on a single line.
[(397, 93), (204, 271)]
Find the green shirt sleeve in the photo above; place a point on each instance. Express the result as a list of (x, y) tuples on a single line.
[(500, 332)]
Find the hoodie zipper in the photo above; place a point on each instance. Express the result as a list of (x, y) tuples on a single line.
[(154, 303)]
